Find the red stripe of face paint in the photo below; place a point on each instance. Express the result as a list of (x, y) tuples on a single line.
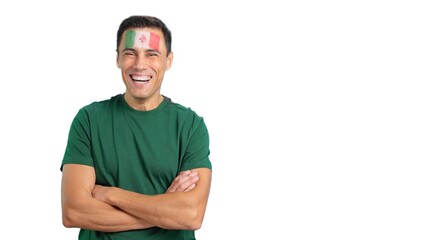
[(154, 41)]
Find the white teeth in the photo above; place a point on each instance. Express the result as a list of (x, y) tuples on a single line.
[(141, 78)]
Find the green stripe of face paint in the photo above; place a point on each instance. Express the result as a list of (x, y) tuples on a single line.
[(129, 39)]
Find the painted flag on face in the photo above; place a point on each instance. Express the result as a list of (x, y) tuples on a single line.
[(141, 39)]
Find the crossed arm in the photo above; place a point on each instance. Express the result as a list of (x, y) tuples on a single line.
[(110, 209)]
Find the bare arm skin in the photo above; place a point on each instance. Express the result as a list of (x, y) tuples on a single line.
[(184, 182), (172, 210), (80, 209)]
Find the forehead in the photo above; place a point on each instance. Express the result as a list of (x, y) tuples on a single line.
[(143, 38)]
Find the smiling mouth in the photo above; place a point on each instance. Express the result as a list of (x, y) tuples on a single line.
[(139, 78)]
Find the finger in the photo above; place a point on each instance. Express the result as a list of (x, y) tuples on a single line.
[(184, 176), (191, 187), (180, 179), (183, 186), (181, 175), (180, 184), (183, 179), (183, 183)]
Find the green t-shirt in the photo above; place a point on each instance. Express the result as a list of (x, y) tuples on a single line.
[(140, 151)]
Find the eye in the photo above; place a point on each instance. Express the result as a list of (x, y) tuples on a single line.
[(128, 53), (152, 54)]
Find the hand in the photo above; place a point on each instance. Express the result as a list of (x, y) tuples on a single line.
[(184, 182)]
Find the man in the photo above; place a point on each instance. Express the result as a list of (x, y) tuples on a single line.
[(137, 166)]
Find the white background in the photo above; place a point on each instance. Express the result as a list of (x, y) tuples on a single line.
[(316, 110)]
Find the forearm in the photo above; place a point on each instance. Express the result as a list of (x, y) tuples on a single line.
[(183, 209), (80, 209), (96, 215), (176, 210)]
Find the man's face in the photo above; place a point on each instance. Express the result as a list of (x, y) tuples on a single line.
[(143, 61)]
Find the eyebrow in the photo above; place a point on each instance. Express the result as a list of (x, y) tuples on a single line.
[(129, 49), (147, 50), (153, 50)]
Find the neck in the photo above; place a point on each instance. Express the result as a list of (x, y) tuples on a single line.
[(143, 104)]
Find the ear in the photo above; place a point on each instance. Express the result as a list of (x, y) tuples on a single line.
[(169, 60), (117, 59)]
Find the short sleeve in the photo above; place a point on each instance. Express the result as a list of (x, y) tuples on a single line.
[(197, 152), (78, 150)]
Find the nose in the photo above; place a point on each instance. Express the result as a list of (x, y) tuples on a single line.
[(139, 63)]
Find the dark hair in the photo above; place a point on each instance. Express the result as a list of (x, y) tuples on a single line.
[(145, 22)]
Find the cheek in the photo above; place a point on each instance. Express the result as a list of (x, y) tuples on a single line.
[(155, 64), (119, 63), (125, 63)]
